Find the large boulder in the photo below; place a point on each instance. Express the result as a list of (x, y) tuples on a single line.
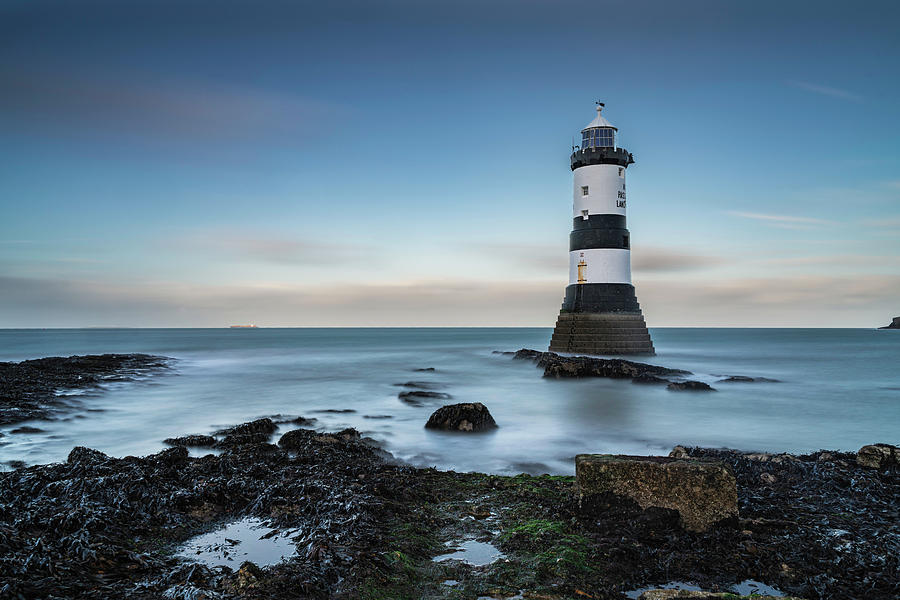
[(878, 456), (468, 416), (702, 491)]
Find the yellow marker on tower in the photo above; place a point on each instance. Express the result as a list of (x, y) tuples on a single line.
[(581, 266)]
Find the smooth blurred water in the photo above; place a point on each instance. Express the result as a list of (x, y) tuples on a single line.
[(840, 389)]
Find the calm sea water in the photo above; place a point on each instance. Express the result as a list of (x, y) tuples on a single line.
[(839, 389)]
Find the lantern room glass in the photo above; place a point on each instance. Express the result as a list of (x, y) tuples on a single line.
[(598, 137)]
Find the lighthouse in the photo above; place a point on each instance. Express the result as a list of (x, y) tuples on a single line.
[(600, 313)]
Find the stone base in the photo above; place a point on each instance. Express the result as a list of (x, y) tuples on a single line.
[(702, 491), (601, 333)]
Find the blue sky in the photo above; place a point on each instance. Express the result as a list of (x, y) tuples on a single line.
[(406, 163)]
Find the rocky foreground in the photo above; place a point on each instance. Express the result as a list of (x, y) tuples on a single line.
[(30, 389), (813, 526)]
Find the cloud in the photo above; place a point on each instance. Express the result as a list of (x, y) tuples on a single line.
[(796, 301), (273, 248), (783, 221), (882, 222), (134, 103), (826, 91), (663, 260)]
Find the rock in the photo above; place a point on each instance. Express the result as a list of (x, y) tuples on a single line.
[(27, 429), (767, 478), (296, 438), (895, 324), (878, 456), (192, 441), (265, 425), (469, 416), (702, 491), (425, 370), (85, 456), (247, 575), (558, 366), (241, 439), (648, 378), (692, 386), (745, 379), (415, 397), (679, 452), (526, 354)]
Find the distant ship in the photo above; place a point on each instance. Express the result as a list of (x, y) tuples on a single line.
[(251, 326)]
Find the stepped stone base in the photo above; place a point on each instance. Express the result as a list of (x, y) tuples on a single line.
[(601, 333)]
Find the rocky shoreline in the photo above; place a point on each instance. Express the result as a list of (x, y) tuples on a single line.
[(31, 389), (366, 526), (356, 523)]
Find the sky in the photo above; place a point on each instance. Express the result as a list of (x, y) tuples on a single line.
[(206, 163)]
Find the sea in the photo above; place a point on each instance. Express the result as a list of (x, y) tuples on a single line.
[(836, 389)]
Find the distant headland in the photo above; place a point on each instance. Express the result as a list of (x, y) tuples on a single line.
[(895, 324)]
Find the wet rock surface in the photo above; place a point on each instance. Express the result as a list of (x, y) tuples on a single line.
[(559, 366), (417, 397), (467, 417), (194, 440), (817, 526), (28, 389)]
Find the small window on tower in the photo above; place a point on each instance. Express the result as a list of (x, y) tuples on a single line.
[(584, 214), (584, 190), (621, 172)]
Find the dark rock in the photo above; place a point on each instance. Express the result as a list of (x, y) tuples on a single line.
[(692, 386), (198, 441), (296, 438), (415, 397), (468, 416), (558, 366), (378, 417), (648, 378), (335, 411), (878, 456), (895, 324), (85, 456), (170, 456), (745, 379), (240, 439), (28, 389), (526, 354), (264, 425), (27, 429), (425, 370)]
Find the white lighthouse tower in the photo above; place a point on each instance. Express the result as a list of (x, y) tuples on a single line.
[(600, 313)]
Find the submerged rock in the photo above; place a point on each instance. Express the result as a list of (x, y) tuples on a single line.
[(415, 397), (702, 491), (27, 429), (745, 379), (691, 386), (468, 416), (878, 456)]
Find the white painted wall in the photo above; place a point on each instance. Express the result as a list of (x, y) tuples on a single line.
[(604, 265), (605, 190)]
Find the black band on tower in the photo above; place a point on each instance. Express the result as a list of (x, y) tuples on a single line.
[(583, 239)]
